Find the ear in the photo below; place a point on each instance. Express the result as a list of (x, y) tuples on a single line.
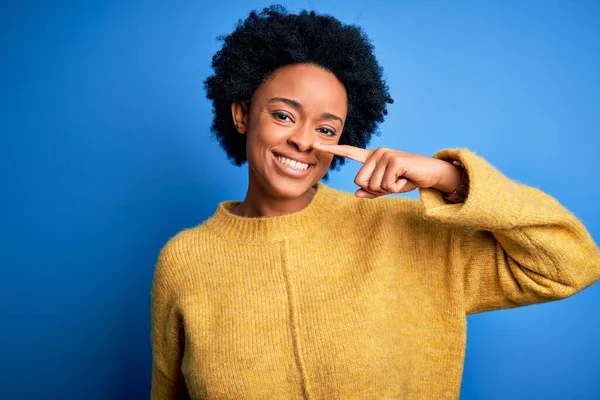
[(239, 112)]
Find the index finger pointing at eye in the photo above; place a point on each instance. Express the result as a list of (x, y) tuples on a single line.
[(351, 152)]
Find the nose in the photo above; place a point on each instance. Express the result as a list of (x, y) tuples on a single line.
[(302, 138)]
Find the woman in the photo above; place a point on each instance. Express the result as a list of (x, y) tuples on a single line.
[(304, 291)]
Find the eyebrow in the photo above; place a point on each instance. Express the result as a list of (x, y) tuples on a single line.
[(297, 105)]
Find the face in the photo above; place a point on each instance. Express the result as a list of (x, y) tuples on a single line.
[(296, 106)]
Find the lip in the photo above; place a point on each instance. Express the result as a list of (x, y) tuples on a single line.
[(289, 171)]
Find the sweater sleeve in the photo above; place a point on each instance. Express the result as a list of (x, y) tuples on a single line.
[(166, 333), (513, 244)]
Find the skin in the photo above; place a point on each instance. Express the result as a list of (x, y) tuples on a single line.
[(280, 126), (300, 110), (386, 171)]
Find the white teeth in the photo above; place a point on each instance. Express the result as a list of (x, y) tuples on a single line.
[(292, 163)]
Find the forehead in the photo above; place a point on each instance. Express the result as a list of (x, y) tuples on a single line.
[(312, 86)]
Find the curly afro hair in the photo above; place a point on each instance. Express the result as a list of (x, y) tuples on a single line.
[(272, 38)]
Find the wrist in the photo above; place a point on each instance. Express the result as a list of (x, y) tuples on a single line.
[(461, 189), (451, 177)]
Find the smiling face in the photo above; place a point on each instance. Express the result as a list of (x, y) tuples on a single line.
[(296, 106)]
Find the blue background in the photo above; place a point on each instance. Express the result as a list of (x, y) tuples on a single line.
[(106, 153)]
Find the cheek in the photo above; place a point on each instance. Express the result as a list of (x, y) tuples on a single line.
[(325, 161), (260, 140), (256, 139), (266, 134)]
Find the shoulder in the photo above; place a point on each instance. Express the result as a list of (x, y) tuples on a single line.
[(186, 249), (394, 216), (384, 207)]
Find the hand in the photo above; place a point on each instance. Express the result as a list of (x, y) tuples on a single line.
[(386, 171)]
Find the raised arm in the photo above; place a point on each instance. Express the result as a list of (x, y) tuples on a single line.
[(514, 244)]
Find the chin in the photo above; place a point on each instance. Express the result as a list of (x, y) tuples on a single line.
[(289, 188)]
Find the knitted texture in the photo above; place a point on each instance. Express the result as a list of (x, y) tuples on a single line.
[(355, 298)]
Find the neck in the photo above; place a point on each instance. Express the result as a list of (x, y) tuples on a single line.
[(253, 230), (261, 203)]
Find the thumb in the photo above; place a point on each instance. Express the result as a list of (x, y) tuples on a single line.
[(397, 186)]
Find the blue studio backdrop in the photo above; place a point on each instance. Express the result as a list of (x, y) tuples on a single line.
[(106, 153)]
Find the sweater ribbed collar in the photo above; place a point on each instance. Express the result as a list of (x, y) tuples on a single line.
[(272, 229)]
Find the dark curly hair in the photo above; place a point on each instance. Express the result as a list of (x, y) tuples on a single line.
[(272, 38)]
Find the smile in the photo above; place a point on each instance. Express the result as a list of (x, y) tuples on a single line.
[(292, 168), (297, 165)]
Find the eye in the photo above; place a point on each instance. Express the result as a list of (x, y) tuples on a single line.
[(281, 116), (326, 131)]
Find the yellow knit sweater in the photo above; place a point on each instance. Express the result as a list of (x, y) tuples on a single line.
[(356, 298)]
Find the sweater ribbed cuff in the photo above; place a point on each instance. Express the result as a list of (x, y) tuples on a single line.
[(493, 201)]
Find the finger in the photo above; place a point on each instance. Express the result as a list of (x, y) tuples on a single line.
[(400, 186), (351, 152), (382, 168), (366, 171), (407, 186), (363, 194), (390, 180)]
